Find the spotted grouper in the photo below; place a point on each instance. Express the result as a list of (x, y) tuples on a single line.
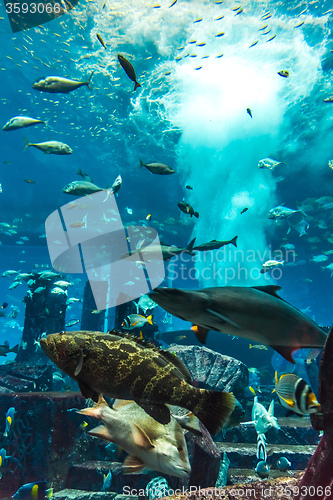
[(124, 367)]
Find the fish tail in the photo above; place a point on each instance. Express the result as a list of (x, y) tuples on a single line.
[(149, 319), (196, 214), (234, 241), (27, 143), (14, 349), (214, 408), (141, 163), (189, 248), (137, 84), (88, 82)]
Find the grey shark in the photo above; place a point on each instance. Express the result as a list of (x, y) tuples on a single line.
[(256, 313)]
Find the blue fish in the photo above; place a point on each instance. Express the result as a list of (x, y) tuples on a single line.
[(9, 420), (35, 491), (107, 481)]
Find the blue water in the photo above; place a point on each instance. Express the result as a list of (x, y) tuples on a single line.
[(194, 120)]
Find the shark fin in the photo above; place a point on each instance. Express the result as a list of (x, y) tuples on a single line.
[(200, 333), (224, 318)]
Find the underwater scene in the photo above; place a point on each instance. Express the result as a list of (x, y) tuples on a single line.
[(166, 239)]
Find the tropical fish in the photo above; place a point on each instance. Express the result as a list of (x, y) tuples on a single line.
[(249, 112), (260, 347), (283, 464), (58, 84), (29, 181), (136, 321), (34, 491), (21, 122), (145, 303), (295, 218), (149, 444), (189, 187), (129, 70), (50, 147), (269, 264), (245, 209), (100, 39), (116, 185), (253, 44), (9, 420), (256, 313), (125, 367), (187, 209), (262, 469), (72, 322), (270, 163), (107, 478), (157, 168), (283, 73), (263, 420), (81, 188), (295, 394), (215, 244)]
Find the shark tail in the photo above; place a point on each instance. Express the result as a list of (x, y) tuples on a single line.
[(214, 408), (189, 248), (140, 163), (137, 84), (14, 349), (234, 241)]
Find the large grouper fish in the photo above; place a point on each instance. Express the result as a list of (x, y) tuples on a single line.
[(122, 366), (257, 313)]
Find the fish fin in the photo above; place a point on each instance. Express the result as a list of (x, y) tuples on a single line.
[(137, 84), (189, 248), (46, 123), (88, 82), (285, 351), (271, 408), (102, 432), (88, 392), (289, 402), (276, 378), (79, 365), (88, 412), (141, 439), (189, 422), (149, 319), (196, 214), (140, 163), (270, 289), (135, 323), (177, 362), (159, 412), (119, 403), (27, 143), (214, 409), (200, 333), (224, 318), (132, 465), (14, 349), (234, 241)]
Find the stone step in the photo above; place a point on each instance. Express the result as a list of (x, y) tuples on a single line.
[(245, 454), (242, 476), (294, 430)]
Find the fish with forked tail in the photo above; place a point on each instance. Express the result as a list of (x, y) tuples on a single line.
[(125, 367), (58, 84), (216, 244), (187, 209), (256, 313), (149, 444), (129, 70)]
